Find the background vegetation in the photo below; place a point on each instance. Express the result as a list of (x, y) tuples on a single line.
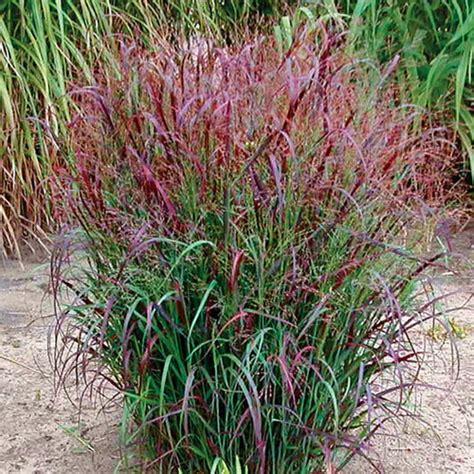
[(435, 42)]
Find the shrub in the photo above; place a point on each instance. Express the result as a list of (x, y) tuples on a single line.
[(243, 285)]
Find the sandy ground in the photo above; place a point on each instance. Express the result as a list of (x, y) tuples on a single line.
[(40, 432), (44, 433), (441, 439)]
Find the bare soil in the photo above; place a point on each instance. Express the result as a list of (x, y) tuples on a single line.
[(439, 440), (44, 432), (41, 431)]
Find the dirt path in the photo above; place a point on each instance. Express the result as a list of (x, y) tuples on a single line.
[(41, 433)]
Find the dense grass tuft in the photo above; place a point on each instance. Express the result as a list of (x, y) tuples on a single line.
[(47, 43), (233, 223)]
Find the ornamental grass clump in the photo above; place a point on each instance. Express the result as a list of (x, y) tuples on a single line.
[(233, 251)]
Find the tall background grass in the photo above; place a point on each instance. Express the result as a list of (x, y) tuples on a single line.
[(435, 42)]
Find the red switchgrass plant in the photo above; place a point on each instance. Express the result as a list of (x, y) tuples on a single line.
[(243, 283)]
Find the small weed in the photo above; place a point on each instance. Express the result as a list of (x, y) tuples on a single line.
[(440, 332), (75, 433)]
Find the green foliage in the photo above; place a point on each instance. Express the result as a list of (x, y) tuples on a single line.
[(44, 44), (435, 40)]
